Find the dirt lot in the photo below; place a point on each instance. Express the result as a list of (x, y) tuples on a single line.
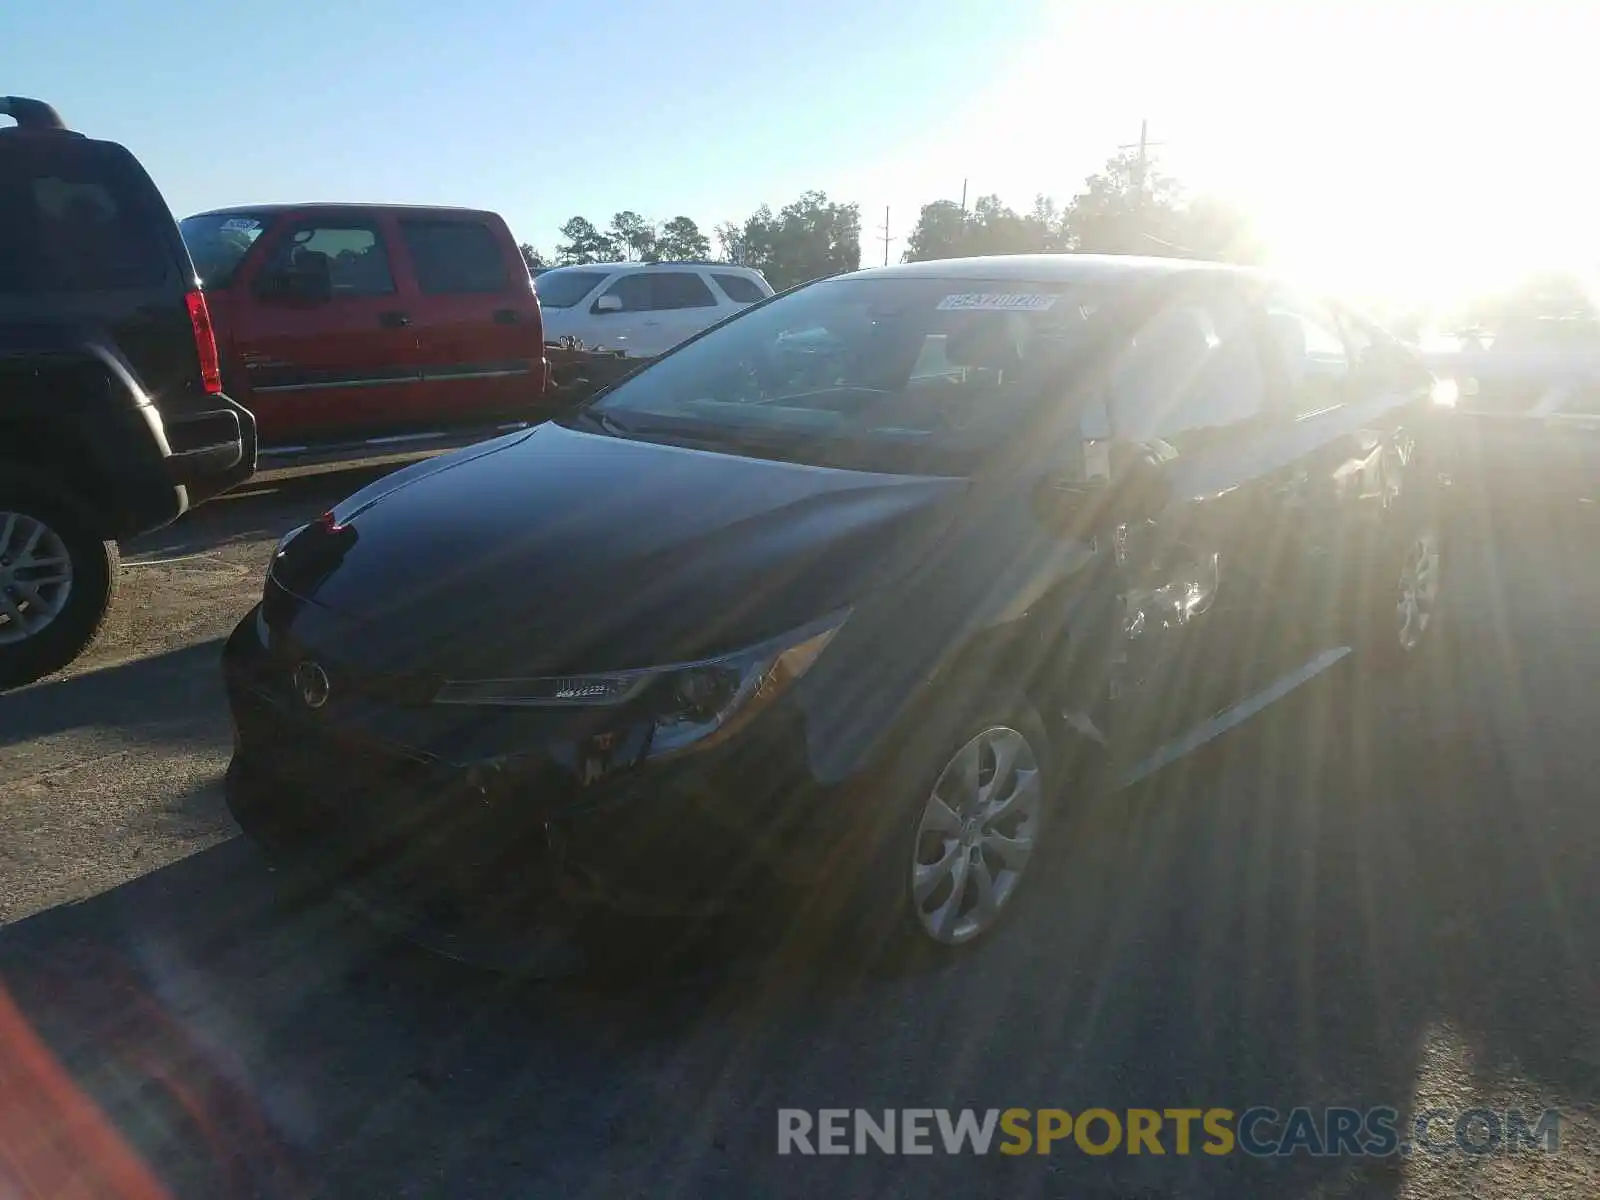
[(1361, 898)]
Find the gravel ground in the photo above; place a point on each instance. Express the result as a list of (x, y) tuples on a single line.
[(1361, 898)]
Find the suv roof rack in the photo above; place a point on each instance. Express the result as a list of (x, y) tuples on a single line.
[(31, 114), (692, 262)]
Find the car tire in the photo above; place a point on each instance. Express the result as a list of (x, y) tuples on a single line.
[(35, 512), (911, 858)]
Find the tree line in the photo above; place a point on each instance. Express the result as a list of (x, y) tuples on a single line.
[(1129, 207)]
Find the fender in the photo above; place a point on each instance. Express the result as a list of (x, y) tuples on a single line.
[(982, 611)]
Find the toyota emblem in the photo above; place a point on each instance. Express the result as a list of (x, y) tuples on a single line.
[(311, 682)]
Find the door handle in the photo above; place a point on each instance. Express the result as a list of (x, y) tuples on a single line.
[(505, 316), (393, 320)]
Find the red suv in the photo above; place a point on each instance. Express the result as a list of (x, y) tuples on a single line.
[(359, 322)]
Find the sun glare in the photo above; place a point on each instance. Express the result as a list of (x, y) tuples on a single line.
[(1411, 154)]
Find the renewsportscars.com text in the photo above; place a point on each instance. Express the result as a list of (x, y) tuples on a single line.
[(1260, 1131)]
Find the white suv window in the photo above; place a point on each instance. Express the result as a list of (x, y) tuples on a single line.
[(741, 289), (680, 289), (658, 291), (634, 292)]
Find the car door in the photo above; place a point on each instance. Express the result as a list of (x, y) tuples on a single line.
[(340, 365), (682, 305), (1344, 398), (1189, 401), (617, 315), (476, 320)]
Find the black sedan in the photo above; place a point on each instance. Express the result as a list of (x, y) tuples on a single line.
[(840, 598)]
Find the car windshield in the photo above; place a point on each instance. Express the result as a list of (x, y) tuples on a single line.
[(218, 243), (564, 287), (906, 374)]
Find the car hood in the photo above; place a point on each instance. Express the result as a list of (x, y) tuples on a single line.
[(558, 550)]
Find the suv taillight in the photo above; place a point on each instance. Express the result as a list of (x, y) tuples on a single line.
[(205, 342)]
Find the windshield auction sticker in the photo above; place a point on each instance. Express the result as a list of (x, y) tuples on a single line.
[(998, 302)]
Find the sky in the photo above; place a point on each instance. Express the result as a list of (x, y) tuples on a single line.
[(1401, 147)]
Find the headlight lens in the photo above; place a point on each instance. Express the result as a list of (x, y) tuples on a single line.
[(696, 704), (711, 703)]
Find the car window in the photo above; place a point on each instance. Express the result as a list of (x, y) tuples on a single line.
[(738, 288), (218, 242), (634, 291), (1192, 365), (455, 257), (358, 263), (1311, 347), (563, 287), (885, 374), (77, 222), (680, 289)]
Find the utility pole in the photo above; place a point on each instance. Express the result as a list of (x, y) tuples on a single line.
[(963, 197), (884, 236), (1141, 171)]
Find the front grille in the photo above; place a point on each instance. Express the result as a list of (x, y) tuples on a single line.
[(327, 768), (411, 823)]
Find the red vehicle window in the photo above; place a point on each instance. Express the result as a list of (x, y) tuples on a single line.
[(455, 257)]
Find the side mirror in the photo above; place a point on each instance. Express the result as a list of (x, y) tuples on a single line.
[(607, 304)]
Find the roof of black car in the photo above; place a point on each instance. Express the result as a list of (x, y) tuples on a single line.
[(324, 205), (1052, 268)]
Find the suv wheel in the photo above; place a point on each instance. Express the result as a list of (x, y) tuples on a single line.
[(57, 579)]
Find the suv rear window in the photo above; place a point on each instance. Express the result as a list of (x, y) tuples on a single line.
[(77, 218), (739, 289), (455, 257)]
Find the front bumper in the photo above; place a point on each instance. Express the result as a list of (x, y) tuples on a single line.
[(353, 791)]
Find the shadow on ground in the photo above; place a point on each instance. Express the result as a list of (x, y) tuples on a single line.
[(171, 697)]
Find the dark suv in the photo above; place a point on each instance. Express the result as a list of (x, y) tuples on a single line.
[(112, 417)]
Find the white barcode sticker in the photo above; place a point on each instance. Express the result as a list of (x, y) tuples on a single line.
[(241, 224), (998, 302)]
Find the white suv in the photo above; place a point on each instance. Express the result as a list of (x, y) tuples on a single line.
[(643, 309)]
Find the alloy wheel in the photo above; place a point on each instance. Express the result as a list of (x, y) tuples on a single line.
[(35, 576), (1419, 590), (976, 835)]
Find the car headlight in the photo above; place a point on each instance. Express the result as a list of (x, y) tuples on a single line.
[(1445, 392), (693, 705)]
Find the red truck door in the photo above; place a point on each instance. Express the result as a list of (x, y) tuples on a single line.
[(480, 335), (332, 363)]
